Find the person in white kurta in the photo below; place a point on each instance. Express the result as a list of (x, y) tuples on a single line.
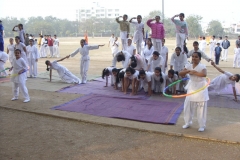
[(56, 52), (144, 80), (212, 45), (139, 32), (158, 81), (84, 63), (236, 57), (130, 47), (33, 57), (130, 78), (178, 60), (222, 82), (123, 56), (202, 44), (155, 61), (19, 82), (21, 32), (148, 50), (21, 46), (164, 54), (43, 53), (198, 73), (63, 72), (3, 60), (115, 46), (10, 50)]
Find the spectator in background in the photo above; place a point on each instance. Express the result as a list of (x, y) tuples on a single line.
[(50, 45), (20, 31), (225, 46), (111, 42), (26, 39), (238, 41), (203, 44), (39, 40), (1, 37)]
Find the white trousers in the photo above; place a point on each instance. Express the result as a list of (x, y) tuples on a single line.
[(236, 61), (157, 44), (51, 50), (3, 73), (212, 52), (180, 38), (23, 89), (124, 44), (83, 70), (139, 47), (32, 67), (56, 51), (189, 109), (224, 54)]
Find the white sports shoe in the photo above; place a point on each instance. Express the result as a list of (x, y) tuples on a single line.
[(185, 126), (26, 100), (14, 98), (201, 129)]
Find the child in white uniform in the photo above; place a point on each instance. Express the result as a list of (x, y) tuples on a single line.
[(164, 54), (109, 72), (33, 57), (130, 77), (158, 81), (139, 33), (115, 46), (198, 73), (171, 77), (221, 82), (84, 64), (144, 80), (19, 82), (20, 31), (3, 60), (178, 60), (212, 45), (10, 50), (155, 61), (148, 50), (123, 56), (21, 46), (56, 52), (131, 48), (203, 44), (63, 72), (236, 58)]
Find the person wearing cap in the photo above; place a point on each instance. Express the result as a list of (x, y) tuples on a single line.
[(1, 37), (222, 81)]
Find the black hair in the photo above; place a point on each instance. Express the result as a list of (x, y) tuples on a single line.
[(160, 70), (226, 36), (182, 14), (179, 48), (139, 16), (120, 57), (118, 72), (131, 70), (199, 54), (21, 25), (83, 40), (218, 43), (200, 37), (238, 76), (220, 37), (156, 53), (104, 72), (157, 16), (133, 62), (17, 37), (31, 39), (46, 62), (125, 15), (17, 50), (172, 72), (149, 39), (203, 37), (213, 36), (121, 75), (195, 42), (141, 72)]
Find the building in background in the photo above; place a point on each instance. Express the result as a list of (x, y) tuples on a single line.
[(94, 9)]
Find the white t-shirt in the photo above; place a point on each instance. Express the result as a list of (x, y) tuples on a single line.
[(111, 40), (148, 52), (130, 49), (135, 75), (212, 43), (148, 78), (164, 52)]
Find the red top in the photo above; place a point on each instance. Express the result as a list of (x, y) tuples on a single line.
[(50, 42)]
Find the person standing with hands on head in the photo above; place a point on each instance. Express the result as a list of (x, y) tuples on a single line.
[(84, 63), (181, 29), (139, 33), (20, 31), (124, 30), (225, 46), (158, 33)]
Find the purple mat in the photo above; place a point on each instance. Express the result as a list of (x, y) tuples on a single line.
[(97, 87), (160, 112)]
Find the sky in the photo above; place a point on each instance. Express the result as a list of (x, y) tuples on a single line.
[(224, 11)]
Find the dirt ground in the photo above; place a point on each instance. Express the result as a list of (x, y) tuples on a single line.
[(50, 138)]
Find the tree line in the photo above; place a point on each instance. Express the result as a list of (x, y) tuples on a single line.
[(104, 27)]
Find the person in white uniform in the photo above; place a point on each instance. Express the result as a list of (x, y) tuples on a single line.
[(144, 80), (197, 49), (212, 45), (202, 44), (198, 73), (122, 56), (21, 46), (115, 46), (131, 48), (3, 60), (148, 50), (108, 71), (164, 54), (63, 72), (181, 29), (171, 77), (221, 82), (155, 61), (139, 32), (111, 41), (130, 78), (19, 82), (10, 50), (43, 53), (220, 44), (158, 81), (56, 52), (178, 60), (84, 63), (21, 32), (33, 57), (236, 57)]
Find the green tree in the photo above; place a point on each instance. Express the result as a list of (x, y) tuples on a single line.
[(194, 25), (215, 28)]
